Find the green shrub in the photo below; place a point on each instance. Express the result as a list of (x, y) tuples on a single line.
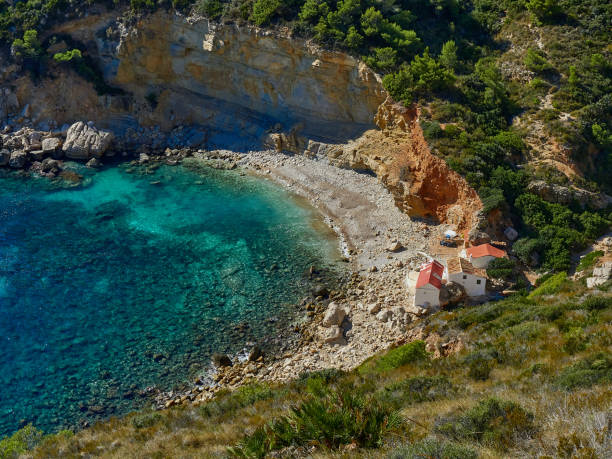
[(318, 382), (67, 56), (210, 8), (479, 370), (402, 355), (589, 260), (20, 442), (494, 423), (417, 389), (144, 420), (550, 286), (594, 303), (335, 419), (501, 268), (433, 448), (244, 396), (536, 61), (596, 369), (264, 11), (575, 340), (544, 10)]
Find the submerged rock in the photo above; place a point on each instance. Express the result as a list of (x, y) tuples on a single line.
[(221, 360)]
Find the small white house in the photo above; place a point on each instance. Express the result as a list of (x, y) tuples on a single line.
[(481, 255), (461, 271), (428, 284)]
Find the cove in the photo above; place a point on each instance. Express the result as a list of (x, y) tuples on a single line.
[(133, 278)]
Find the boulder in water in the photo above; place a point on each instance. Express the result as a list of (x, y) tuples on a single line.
[(84, 141), (221, 360)]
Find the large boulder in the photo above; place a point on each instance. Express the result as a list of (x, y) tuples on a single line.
[(334, 335), (452, 294), (334, 315), (5, 157), (221, 360), (51, 144), (18, 159), (84, 141), (600, 276)]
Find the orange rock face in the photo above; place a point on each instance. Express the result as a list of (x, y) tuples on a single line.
[(422, 184)]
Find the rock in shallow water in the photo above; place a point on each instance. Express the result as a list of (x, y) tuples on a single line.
[(84, 141)]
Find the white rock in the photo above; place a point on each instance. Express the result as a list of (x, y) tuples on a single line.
[(18, 159), (384, 316), (374, 308), (50, 145), (334, 335), (84, 141), (334, 315)]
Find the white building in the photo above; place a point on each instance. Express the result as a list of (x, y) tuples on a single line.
[(461, 271), (428, 284), (481, 255)]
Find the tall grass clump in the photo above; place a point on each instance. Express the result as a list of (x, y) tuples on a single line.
[(340, 417), (433, 448), (492, 422)]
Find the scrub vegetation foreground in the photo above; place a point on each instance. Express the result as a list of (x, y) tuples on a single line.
[(533, 380)]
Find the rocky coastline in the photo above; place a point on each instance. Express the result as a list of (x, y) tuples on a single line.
[(367, 313)]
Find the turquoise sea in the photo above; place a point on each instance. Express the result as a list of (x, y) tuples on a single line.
[(133, 278)]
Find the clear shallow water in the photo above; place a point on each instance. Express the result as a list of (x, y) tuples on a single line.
[(134, 280)]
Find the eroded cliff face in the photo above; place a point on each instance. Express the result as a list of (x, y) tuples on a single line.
[(238, 83), (241, 81)]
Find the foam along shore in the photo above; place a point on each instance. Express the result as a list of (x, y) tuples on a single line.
[(372, 310)]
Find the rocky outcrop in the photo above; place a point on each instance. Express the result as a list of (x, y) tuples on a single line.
[(601, 275), (84, 141), (451, 294), (566, 195), (334, 315)]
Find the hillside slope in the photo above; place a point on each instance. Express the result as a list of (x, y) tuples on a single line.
[(529, 376)]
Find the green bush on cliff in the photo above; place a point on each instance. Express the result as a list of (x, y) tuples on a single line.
[(20, 442), (402, 355)]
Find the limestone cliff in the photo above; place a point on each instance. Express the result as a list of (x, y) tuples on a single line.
[(177, 71), (242, 83)]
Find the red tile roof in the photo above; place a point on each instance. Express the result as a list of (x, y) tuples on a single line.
[(484, 250), (431, 273)]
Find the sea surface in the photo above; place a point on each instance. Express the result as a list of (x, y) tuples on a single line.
[(134, 277)]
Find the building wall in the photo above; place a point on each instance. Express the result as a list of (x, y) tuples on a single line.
[(470, 283), (428, 294)]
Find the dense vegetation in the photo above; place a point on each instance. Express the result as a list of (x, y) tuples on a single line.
[(532, 381)]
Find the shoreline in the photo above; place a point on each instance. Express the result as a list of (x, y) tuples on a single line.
[(381, 245), (378, 242)]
